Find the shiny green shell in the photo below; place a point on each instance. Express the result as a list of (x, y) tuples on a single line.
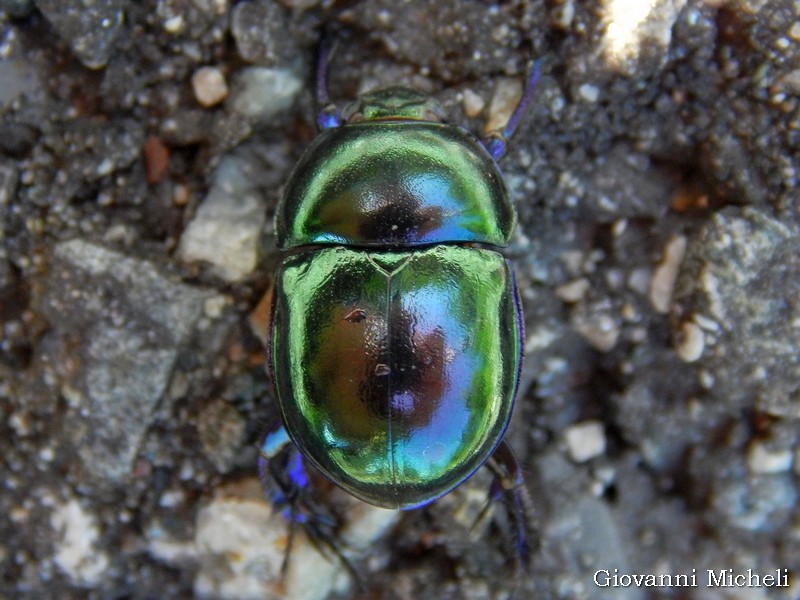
[(396, 370), (395, 183)]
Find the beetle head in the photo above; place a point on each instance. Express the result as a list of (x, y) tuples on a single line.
[(395, 103)]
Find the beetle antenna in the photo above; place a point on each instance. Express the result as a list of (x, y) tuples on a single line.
[(497, 141)]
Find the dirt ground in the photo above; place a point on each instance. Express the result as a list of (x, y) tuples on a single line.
[(143, 145)]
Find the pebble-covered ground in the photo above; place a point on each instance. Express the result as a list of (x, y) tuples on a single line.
[(143, 145)]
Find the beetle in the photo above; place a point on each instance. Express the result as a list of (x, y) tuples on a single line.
[(396, 335)]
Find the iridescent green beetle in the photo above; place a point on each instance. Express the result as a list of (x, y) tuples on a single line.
[(396, 338)]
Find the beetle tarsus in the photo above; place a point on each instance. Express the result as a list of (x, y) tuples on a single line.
[(508, 486), (286, 483)]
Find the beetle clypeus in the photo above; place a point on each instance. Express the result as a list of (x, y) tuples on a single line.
[(396, 330)]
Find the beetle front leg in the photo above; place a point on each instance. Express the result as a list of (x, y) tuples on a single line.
[(496, 142), (286, 483), (282, 473), (329, 115), (508, 486)]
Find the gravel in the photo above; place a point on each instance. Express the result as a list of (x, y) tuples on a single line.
[(143, 146)]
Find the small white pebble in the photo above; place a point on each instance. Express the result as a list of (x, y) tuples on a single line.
[(762, 460), (573, 290), (214, 306), (384, 18), (172, 498), (506, 97), (691, 342), (600, 330), (21, 423), (76, 534), (589, 92), (794, 31), (639, 280), (663, 281), (209, 86), (180, 195), (473, 103), (706, 379), (174, 24), (585, 440), (706, 323), (105, 167), (563, 14)]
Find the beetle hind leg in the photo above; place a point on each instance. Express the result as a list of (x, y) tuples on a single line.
[(508, 487), (287, 486)]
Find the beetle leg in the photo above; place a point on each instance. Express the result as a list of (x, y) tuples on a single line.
[(496, 142), (508, 486), (286, 483), (329, 114)]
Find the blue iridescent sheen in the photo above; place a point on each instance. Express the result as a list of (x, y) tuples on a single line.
[(396, 371), (395, 184)]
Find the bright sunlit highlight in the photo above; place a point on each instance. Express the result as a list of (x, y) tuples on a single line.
[(625, 18)]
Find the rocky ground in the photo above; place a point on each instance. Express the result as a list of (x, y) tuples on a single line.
[(142, 149)]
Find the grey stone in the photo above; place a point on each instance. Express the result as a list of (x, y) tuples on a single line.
[(97, 150), (119, 325), (624, 186), (442, 31), (261, 32), (20, 80), (221, 430), (739, 274), (89, 27), (757, 503), (583, 532), (261, 93), (652, 415), (76, 551), (240, 545), (227, 227), (598, 324)]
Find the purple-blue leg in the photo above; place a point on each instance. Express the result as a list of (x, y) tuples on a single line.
[(496, 142), (282, 472), (508, 487), (329, 115), (286, 483)]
